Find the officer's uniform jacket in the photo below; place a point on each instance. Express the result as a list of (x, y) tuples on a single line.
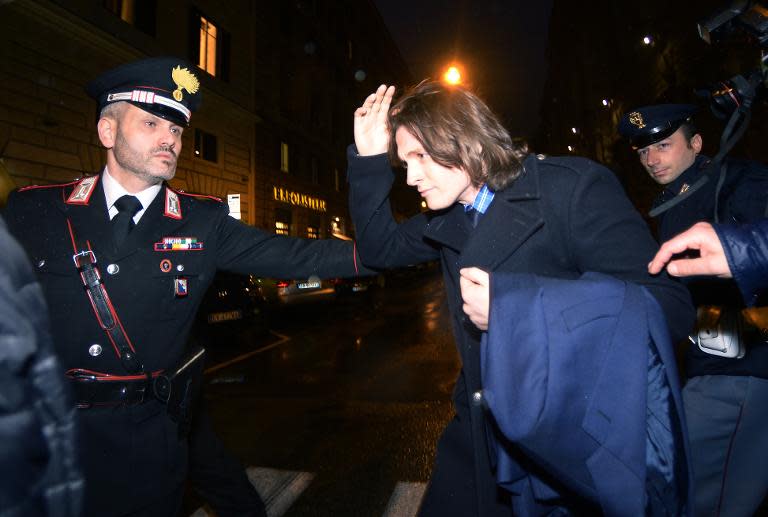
[(743, 198), (560, 218), (155, 280)]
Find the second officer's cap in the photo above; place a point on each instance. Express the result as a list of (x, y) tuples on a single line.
[(164, 86), (650, 124)]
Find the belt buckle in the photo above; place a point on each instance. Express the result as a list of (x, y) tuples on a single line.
[(83, 254)]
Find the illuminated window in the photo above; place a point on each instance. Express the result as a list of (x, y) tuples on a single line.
[(284, 157), (206, 146), (283, 221), (282, 228), (207, 54), (313, 232), (209, 45), (139, 13)]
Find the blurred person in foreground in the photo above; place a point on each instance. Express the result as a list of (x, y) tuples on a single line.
[(38, 453), (505, 224)]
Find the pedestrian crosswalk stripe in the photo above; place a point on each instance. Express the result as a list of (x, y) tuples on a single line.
[(278, 488), (405, 500), (281, 488)]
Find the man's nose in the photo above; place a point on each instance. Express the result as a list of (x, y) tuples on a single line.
[(412, 176), (168, 138), (651, 157)]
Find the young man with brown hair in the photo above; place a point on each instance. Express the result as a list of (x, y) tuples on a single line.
[(494, 211)]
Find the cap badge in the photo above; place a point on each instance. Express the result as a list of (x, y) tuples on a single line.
[(635, 118), (184, 79)]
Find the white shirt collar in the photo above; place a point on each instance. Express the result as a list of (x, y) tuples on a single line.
[(114, 191)]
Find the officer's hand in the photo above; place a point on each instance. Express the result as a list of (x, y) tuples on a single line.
[(702, 237), (371, 131), (475, 291)]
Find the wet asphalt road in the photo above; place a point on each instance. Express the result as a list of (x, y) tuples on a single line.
[(352, 393)]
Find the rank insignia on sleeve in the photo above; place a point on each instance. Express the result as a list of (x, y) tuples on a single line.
[(82, 191), (172, 206), (179, 244), (180, 287)]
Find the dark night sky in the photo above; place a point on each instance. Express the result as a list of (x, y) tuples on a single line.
[(501, 44)]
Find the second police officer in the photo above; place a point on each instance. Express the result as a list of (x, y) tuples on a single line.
[(726, 392)]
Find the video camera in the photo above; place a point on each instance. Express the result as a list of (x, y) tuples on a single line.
[(750, 18)]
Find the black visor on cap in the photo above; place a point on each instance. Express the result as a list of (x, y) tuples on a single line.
[(655, 135)]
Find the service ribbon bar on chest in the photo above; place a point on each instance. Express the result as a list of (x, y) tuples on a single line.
[(179, 244)]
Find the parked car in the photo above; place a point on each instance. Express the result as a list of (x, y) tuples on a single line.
[(361, 284), (289, 292), (232, 304)]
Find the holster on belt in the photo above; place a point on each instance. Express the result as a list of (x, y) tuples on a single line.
[(179, 387), (726, 331)]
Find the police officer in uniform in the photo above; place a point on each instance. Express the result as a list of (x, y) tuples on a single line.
[(144, 255), (726, 392)]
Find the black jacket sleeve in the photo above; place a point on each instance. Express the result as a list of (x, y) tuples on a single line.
[(383, 243)]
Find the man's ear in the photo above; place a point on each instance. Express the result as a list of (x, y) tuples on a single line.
[(696, 143), (107, 129)]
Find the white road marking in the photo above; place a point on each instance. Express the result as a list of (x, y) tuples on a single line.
[(243, 357), (405, 499), (278, 488), (281, 488)]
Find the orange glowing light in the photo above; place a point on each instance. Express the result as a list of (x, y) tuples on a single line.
[(452, 75)]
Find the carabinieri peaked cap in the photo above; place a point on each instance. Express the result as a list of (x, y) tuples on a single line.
[(164, 86), (650, 124)]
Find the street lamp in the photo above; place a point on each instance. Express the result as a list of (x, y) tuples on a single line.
[(452, 75)]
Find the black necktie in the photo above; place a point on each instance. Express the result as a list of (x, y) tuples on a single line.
[(122, 223)]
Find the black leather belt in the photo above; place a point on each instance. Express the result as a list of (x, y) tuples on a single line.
[(98, 389)]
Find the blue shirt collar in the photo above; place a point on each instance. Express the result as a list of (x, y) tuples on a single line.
[(482, 200)]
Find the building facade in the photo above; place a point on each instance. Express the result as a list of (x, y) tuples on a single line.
[(610, 57)]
